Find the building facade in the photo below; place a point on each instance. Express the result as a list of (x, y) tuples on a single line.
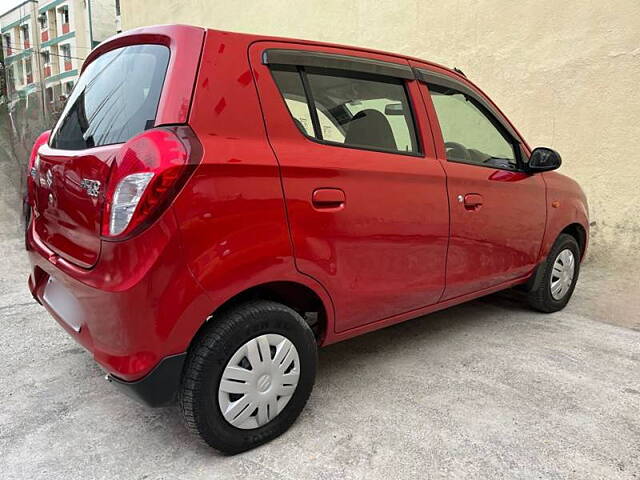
[(46, 41)]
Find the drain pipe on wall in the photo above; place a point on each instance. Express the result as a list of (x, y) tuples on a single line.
[(90, 25)]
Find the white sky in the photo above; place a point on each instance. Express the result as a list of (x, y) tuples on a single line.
[(6, 5)]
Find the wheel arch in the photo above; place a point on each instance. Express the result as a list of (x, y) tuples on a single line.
[(314, 307), (577, 231)]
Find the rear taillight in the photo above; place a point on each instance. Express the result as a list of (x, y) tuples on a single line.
[(34, 165), (148, 172)]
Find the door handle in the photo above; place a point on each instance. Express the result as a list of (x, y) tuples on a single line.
[(328, 198), (471, 201)]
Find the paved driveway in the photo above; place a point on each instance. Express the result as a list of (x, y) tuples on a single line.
[(488, 389)]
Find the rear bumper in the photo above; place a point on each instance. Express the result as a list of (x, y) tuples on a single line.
[(159, 387), (136, 308)]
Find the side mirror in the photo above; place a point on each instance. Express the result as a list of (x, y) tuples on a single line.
[(543, 159)]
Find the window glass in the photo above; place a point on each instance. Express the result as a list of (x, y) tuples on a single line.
[(116, 98), (366, 112), (66, 52), (401, 131), (469, 134), (290, 84)]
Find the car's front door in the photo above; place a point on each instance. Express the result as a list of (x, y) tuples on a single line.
[(365, 195), (498, 211)]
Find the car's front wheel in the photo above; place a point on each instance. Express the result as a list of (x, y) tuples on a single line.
[(249, 376), (556, 281)]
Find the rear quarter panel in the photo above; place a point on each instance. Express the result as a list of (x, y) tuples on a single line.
[(231, 213)]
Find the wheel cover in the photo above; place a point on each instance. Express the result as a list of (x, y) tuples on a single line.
[(258, 381), (562, 274)]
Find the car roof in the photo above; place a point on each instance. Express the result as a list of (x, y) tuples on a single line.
[(251, 38)]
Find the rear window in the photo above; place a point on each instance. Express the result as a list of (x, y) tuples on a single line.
[(115, 98)]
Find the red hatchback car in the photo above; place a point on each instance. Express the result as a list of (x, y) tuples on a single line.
[(211, 207)]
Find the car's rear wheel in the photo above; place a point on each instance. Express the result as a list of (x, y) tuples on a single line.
[(556, 281), (248, 376)]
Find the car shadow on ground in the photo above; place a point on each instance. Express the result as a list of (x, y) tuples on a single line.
[(391, 344)]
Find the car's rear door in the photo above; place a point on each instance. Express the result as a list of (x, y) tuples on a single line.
[(365, 196), (498, 211)]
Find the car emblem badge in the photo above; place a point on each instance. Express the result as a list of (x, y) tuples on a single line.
[(91, 186)]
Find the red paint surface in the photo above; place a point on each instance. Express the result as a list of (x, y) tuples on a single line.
[(378, 237)]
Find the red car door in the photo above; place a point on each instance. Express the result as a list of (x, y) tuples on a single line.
[(365, 195), (497, 210)]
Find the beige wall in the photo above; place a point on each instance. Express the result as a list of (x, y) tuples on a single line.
[(566, 73), (103, 19)]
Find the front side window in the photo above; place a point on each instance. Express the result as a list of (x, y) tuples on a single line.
[(115, 98), (354, 110), (471, 135)]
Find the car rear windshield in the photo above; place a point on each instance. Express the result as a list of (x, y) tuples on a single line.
[(115, 98)]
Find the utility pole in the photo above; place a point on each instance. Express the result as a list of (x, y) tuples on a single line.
[(36, 37)]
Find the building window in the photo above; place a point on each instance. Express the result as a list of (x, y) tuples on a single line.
[(64, 14), (66, 52), (11, 84), (25, 35), (28, 70), (49, 94), (46, 63), (7, 43), (42, 20), (68, 87)]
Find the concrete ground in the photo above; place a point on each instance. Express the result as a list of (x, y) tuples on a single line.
[(489, 389)]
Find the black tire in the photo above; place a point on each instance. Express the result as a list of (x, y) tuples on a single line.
[(207, 359), (540, 296)]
